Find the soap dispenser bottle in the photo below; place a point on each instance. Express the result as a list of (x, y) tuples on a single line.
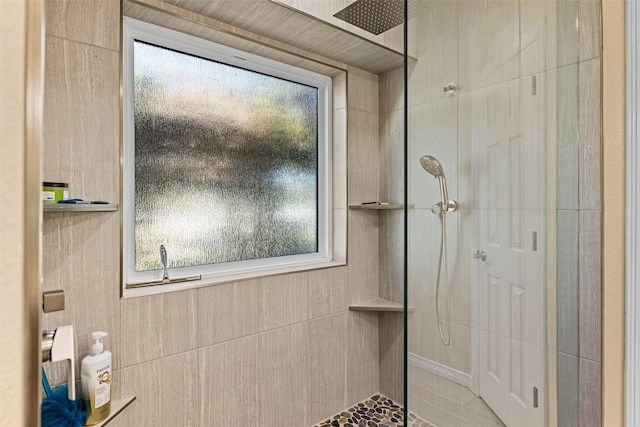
[(96, 381)]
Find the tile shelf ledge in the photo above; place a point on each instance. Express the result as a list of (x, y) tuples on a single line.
[(378, 305), (117, 406), (390, 206), (62, 207)]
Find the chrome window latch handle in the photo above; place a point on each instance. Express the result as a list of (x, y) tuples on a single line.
[(481, 255), (163, 259)]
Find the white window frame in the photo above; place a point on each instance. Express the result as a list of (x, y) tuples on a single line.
[(212, 273)]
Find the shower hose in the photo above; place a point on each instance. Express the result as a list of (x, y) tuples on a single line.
[(443, 260)]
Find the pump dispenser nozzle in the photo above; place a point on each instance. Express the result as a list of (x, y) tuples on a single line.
[(97, 347)]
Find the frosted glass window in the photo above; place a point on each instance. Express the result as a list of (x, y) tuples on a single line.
[(226, 164)]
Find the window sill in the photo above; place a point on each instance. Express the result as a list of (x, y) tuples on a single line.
[(227, 278)]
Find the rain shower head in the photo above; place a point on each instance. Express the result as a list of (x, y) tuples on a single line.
[(433, 167), (378, 16)]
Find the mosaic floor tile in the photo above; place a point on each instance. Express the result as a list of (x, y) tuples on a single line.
[(379, 411)]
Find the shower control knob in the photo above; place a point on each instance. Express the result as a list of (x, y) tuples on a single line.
[(450, 89), (481, 255)]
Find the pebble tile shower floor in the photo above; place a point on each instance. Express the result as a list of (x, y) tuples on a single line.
[(379, 411)]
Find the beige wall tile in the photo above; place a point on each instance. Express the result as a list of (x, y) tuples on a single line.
[(328, 367), (228, 311), (391, 87), (423, 256), (568, 297), (568, 388), (391, 253), (488, 46), (590, 29), (590, 412), (228, 383), (422, 331), (433, 130), (324, 10), (362, 90), (81, 117), (457, 355), (391, 355), (327, 290), (157, 326), (166, 390), (362, 356), (339, 154), (590, 152), (285, 300), (363, 272), (95, 22), (340, 91), (391, 238), (392, 156), (81, 147), (362, 155), (590, 283), (568, 138), (540, 29), (81, 259), (472, 117), (340, 235), (283, 376), (567, 32), (435, 43), (461, 266)]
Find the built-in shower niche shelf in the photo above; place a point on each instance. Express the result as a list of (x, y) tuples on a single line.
[(376, 207), (117, 406), (81, 207), (379, 305)]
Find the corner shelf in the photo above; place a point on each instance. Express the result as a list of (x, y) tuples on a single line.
[(376, 207), (379, 305), (117, 406), (84, 207)]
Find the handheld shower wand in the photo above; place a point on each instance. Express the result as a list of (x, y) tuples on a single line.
[(433, 166)]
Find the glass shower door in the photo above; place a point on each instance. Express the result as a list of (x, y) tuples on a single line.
[(493, 171)]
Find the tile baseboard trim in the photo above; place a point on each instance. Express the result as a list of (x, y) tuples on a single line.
[(439, 369)]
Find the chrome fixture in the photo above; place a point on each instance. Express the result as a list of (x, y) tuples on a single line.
[(59, 346), (165, 274), (53, 301), (481, 255), (433, 166), (451, 88), (47, 343), (163, 259)]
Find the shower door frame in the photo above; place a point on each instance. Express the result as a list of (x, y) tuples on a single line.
[(632, 279)]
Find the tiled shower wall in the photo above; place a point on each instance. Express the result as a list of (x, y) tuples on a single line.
[(392, 232), (245, 352)]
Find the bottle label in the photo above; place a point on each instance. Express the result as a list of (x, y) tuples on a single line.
[(103, 389)]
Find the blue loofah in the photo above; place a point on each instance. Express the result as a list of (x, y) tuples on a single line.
[(57, 410)]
